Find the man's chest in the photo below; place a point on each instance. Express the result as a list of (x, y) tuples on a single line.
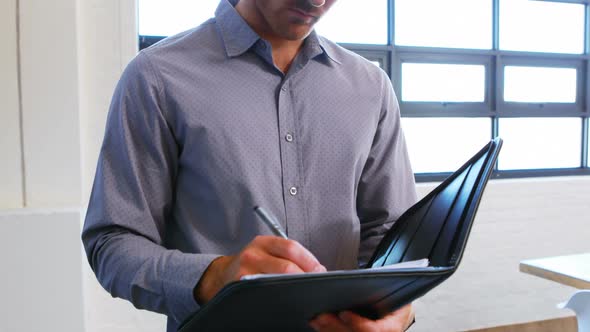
[(307, 124)]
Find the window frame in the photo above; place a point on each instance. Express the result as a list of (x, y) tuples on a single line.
[(433, 109), (520, 109)]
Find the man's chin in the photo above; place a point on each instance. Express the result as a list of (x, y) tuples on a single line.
[(299, 33)]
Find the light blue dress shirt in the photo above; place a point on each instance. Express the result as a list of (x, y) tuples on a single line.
[(203, 127)]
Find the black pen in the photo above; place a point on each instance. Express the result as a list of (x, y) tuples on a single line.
[(271, 221)]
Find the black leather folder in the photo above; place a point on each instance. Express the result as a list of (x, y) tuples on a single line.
[(437, 228)]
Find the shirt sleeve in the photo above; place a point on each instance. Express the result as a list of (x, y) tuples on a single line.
[(131, 203), (386, 188)]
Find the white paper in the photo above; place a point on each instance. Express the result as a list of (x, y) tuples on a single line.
[(386, 268), (403, 265)]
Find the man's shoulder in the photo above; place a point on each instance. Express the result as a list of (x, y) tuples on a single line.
[(354, 65), (190, 41), (344, 55)]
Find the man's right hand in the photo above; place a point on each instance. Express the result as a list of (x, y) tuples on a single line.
[(265, 254)]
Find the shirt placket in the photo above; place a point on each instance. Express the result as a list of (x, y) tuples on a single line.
[(293, 191)]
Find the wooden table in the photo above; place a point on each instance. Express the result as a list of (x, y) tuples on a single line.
[(573, 270)]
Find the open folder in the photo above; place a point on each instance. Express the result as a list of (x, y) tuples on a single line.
[(434, 230)]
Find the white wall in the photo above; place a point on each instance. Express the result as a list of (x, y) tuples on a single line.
[(107, 42), (40, 171), (41, 279), (71, 54), (517, 220)]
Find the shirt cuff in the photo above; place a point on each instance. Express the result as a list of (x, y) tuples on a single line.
[(181, 275)]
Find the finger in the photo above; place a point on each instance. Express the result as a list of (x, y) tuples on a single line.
[(358, 323), (399, 319), (328, 323), (278, 265), (254, 260), (396, 321), (292, 251), (411, 317)]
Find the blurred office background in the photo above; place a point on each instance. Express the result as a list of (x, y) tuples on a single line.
[(464, 71)]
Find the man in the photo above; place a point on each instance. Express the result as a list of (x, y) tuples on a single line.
[(250, 108)]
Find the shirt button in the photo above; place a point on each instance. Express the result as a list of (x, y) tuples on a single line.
[(289, 137), (284, 88), (293, 191)]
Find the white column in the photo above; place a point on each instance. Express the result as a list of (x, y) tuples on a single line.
[(49, 81), (11, 175), (107, 41)]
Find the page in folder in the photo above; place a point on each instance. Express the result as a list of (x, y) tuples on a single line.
[(386, 268)]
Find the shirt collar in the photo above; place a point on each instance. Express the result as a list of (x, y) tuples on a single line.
[(321, 45), (239, 37)]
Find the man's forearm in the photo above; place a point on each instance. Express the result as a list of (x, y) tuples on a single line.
[(150, 276)]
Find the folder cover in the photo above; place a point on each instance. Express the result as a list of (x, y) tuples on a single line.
[(436, 227)]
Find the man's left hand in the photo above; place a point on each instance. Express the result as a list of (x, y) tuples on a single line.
[(397, 321)]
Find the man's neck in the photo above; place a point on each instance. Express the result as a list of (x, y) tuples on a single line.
[(284, 51)]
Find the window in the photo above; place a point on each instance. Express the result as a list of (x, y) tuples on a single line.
[(464, 71), (540, 143), (442, 82), (438, 144), (165, 18), (539, 84), (550, 26), (436, 23), (359, 22)]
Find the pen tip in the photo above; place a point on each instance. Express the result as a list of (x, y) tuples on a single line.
[(255, 207)]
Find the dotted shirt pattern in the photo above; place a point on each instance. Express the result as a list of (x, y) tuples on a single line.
[(203, 127)]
